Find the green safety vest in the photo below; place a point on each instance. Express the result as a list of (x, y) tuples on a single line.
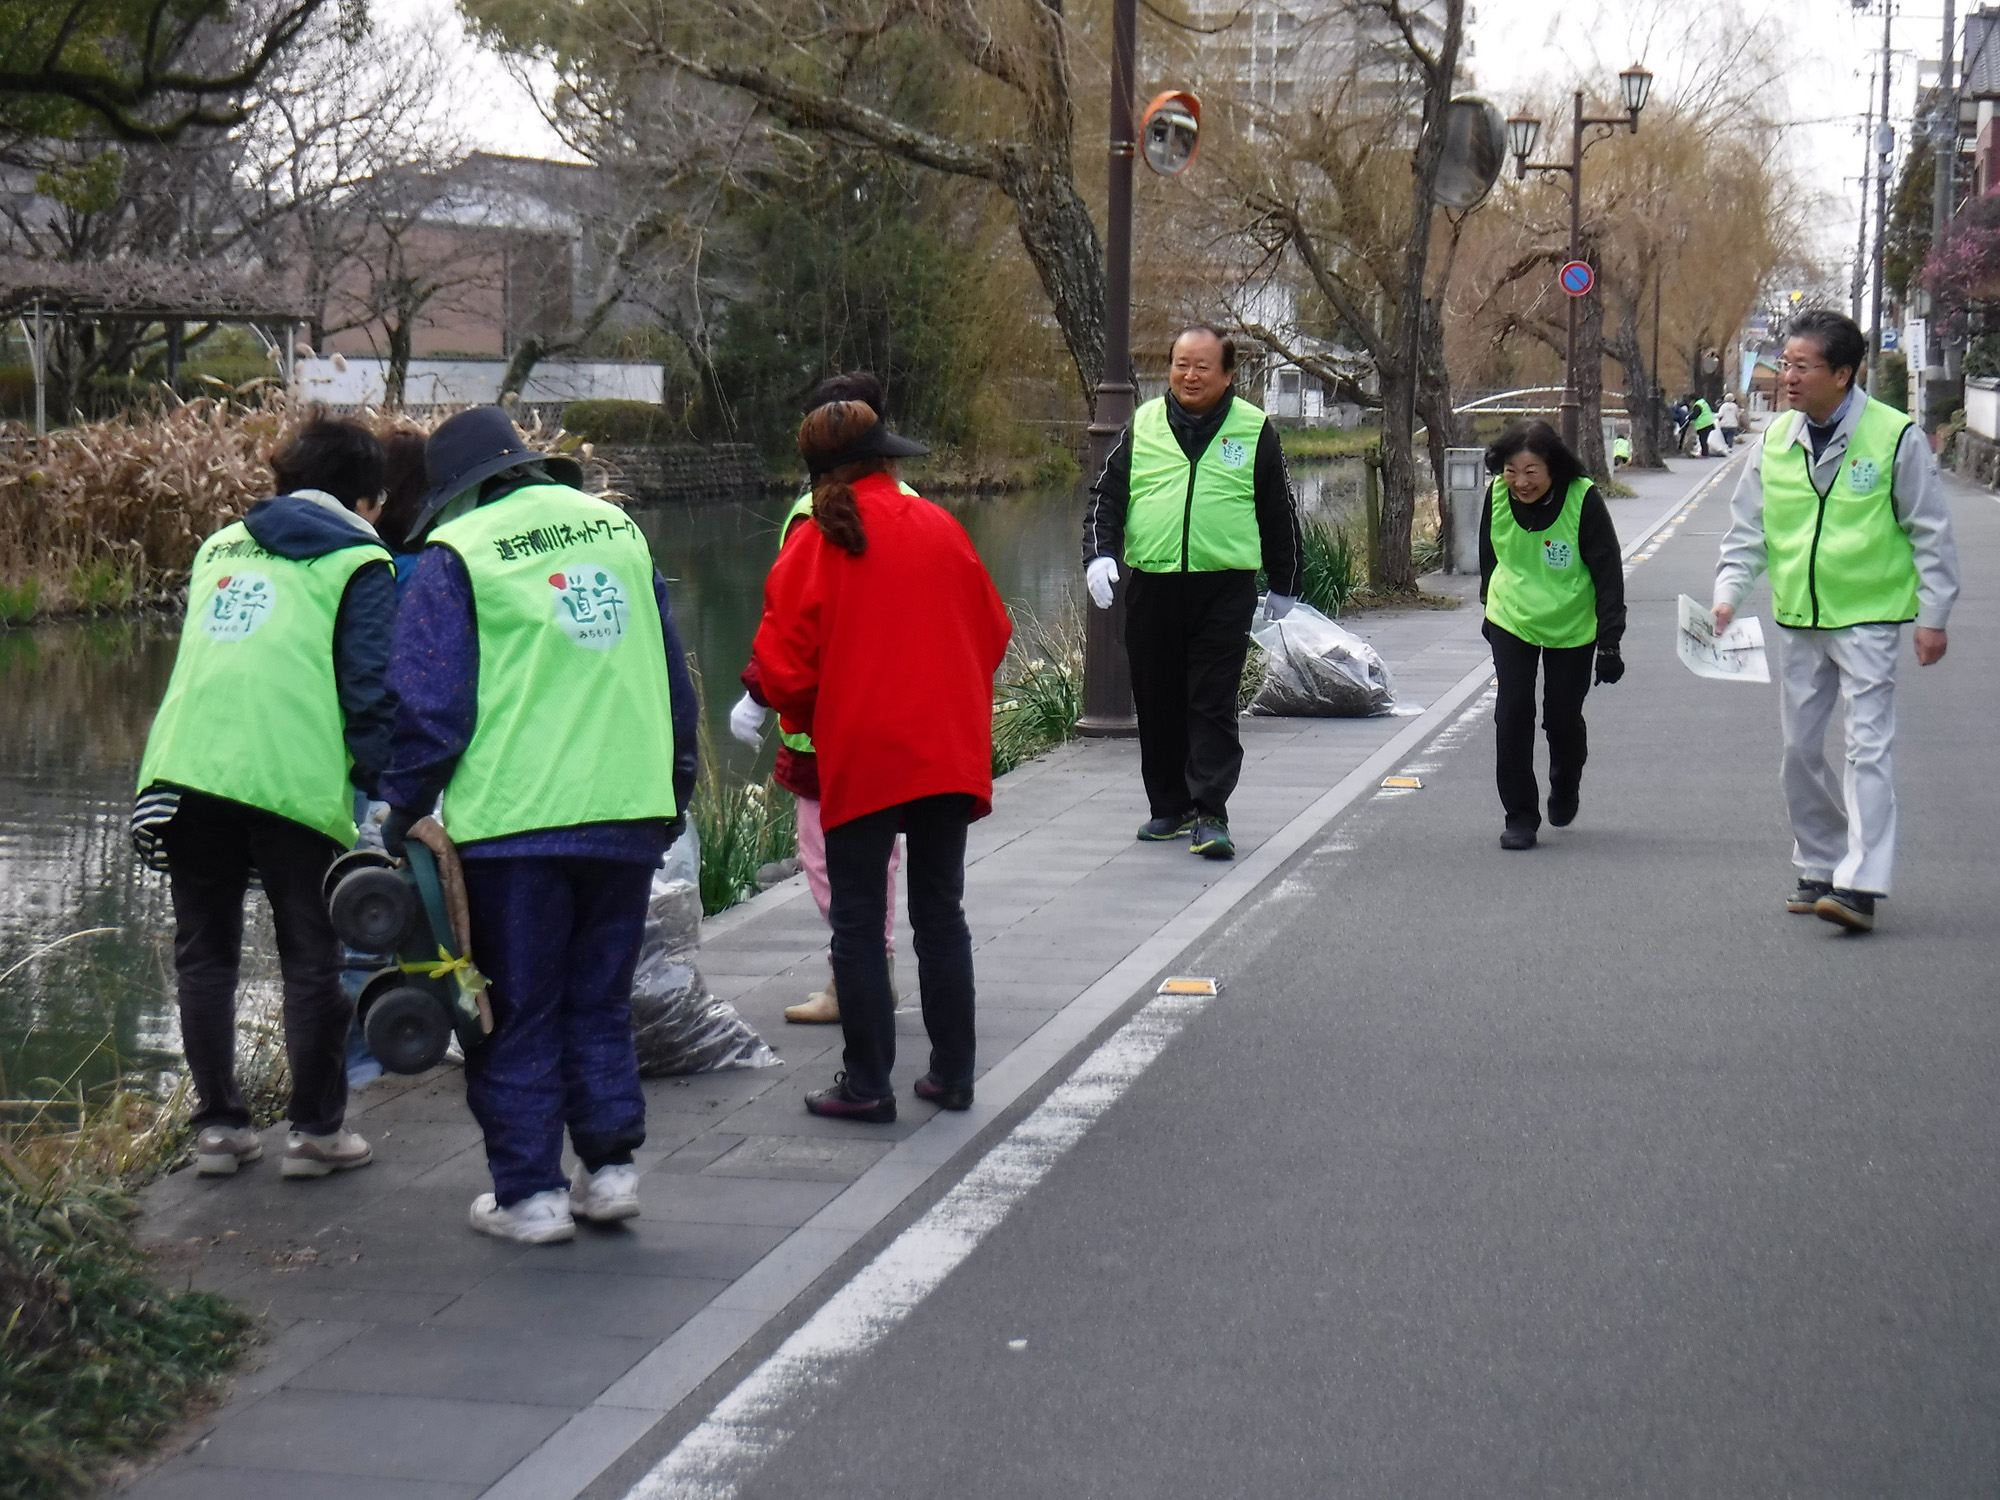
[(1187, 517), (1540, 589), (252, 712), (575, 711), (1841, 558), (1704, 415)]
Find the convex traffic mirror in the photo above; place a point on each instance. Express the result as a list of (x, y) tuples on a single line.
[(1168, 131), (1475, 146)]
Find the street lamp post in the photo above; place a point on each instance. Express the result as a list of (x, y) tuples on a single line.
[(1634, 84), (1107, 675)]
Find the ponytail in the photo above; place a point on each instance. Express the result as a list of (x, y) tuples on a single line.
[(827, 431), (838, 516)]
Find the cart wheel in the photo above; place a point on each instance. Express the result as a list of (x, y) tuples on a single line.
[(348, 863), (407, 1029), (374, 910)]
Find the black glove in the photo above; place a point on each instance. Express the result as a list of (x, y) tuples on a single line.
[(1610, 666), (396, 831)]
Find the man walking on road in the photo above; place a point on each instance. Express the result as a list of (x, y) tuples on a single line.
[(1842, 503), (1194, 499)]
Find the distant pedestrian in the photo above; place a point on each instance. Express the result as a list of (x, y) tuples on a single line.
[(545, 696), (1681, 412), (1553, 582), (1842, 504), (276, 716), (1701, 421), (1194, 500), (1621, 452), (880, 638), (1729, 421), (797, 769)]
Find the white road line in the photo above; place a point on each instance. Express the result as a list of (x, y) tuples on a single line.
[(780, 1396)]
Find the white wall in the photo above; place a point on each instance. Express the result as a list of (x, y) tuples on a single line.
[(476, 382), (1982, 407)]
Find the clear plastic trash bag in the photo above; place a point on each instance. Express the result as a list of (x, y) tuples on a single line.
[(1314, 669), (678, 1026)]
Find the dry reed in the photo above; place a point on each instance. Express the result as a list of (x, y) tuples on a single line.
[(109, 514)]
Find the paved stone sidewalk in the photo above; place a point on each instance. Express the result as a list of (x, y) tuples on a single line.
[(410, 1359)]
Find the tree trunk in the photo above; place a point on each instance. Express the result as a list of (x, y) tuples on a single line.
[(402, 333), (1642, 402), (1440, 422), (1060, 238), (1394, 573), (527, 354), (1590, 381)]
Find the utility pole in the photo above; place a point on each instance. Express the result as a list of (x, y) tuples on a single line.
[(1885, 145), (1861, 235), (1107, 673), (1944, 164)]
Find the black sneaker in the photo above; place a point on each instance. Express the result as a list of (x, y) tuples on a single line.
[(1804, 901), (1854, 910), (1517, 838), (1166, 830), (1562, 810), (841, 1103), (1211, 839), (944, 1095)]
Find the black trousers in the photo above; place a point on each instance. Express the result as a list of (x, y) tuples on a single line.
[(1187, 635), (857, 873), (212, 845), (1565, 680)]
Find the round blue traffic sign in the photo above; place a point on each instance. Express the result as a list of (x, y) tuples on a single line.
[(1577, 278)]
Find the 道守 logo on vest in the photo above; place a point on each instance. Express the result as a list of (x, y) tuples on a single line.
[(241, 602), (1232, 453), (591, 605), (1862, 473), (1558, 554)]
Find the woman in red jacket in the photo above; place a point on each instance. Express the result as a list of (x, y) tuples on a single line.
[(880, 637)]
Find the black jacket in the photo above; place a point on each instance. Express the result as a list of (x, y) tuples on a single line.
[(1277, 511), (1596, 539), (302, 529)]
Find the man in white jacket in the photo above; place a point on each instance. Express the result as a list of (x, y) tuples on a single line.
[(1843, 506)]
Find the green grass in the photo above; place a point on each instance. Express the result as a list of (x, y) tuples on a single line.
[(97, 1360), (1038, 701), (1328, 442), (18, 601), (742, 825), (1332, 566), (101, 586)]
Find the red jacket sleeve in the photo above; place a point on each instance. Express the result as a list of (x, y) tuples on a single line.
[(785, 657)]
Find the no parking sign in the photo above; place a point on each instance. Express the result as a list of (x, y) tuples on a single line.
[(1577, 278)]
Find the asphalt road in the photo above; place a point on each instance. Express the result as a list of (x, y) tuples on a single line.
[(1586, 1171)]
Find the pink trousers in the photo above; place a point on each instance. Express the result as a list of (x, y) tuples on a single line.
[(812, 855)]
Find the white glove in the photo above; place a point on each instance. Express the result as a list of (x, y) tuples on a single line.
[(746, 721), (1277, 606), (1100, 575), (370, 831)]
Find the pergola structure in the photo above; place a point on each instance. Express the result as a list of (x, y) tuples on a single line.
[(129, 289)]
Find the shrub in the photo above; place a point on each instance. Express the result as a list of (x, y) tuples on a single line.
[(1331, 565), (612, 421), (1036, 706), (1893, 387), (17, 601)]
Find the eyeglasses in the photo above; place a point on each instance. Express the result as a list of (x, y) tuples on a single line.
[(1794, 367)]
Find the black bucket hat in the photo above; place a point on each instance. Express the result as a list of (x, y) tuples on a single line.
[(473, 446), (877, 442)]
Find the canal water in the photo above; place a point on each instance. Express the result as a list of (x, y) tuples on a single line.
[(76, 701)]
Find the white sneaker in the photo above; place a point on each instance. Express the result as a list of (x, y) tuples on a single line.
[(220, 1149), (539, 1219), (317, 1155), (606, 1195)]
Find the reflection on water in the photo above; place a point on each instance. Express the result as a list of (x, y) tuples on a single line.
[(78, 700)]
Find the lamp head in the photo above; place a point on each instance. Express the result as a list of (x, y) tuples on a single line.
[(1522, 133), (1636, 84)]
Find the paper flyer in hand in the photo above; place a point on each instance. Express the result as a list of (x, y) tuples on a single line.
[(1734, 655)]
